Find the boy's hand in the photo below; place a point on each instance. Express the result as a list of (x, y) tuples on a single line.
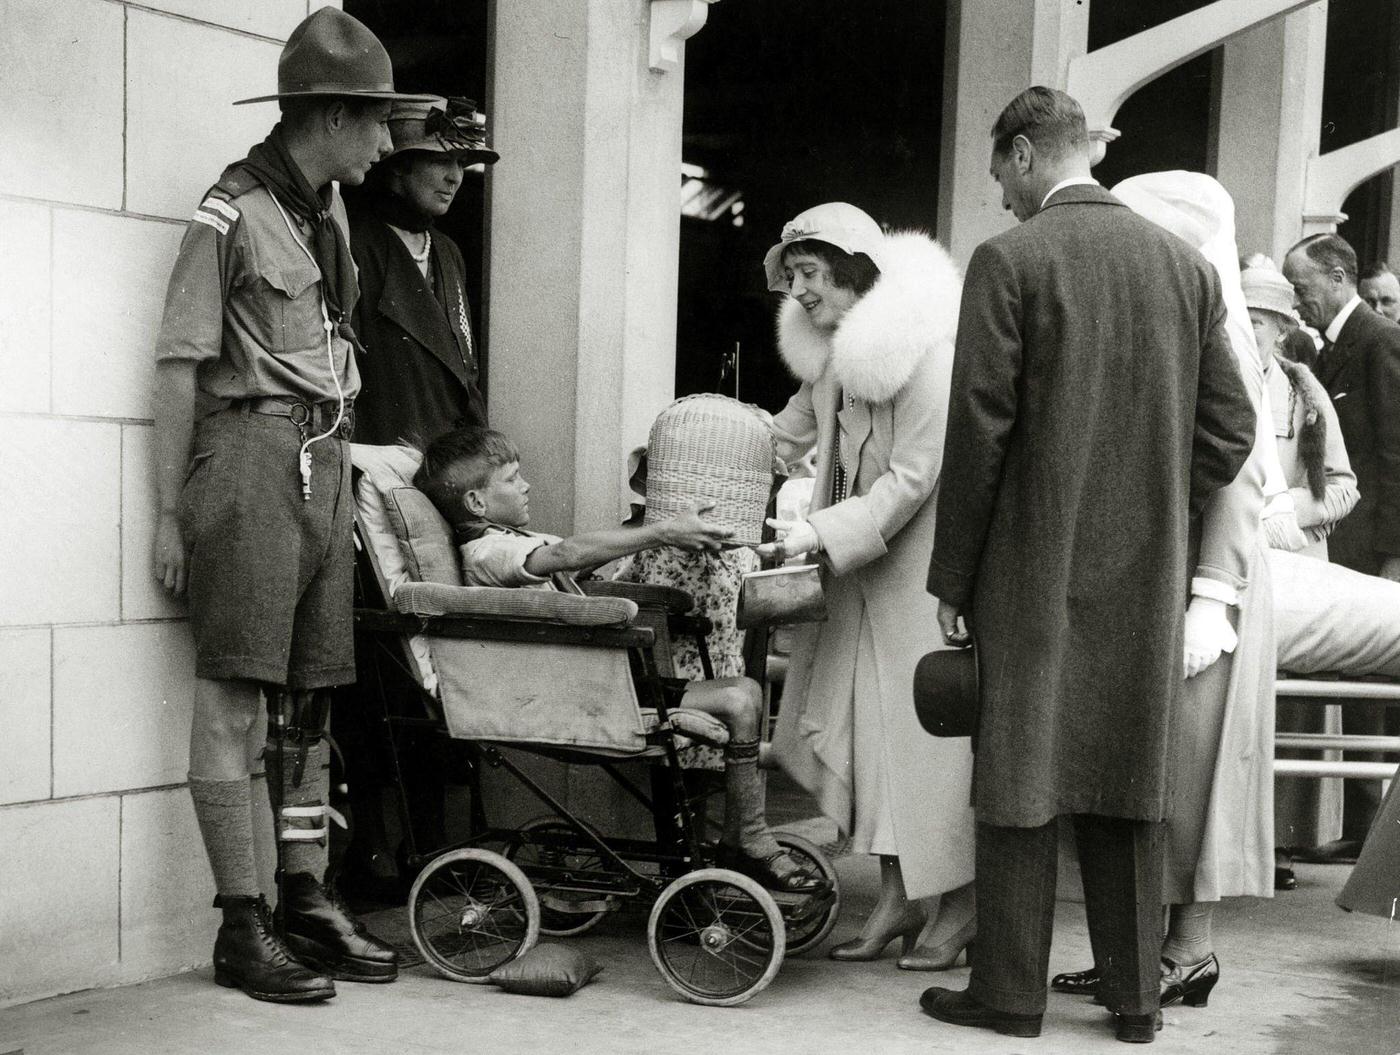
[(691, 531), (171, 561)]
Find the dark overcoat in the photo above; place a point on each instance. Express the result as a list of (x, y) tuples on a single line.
[(418, 373), (1361, 373), (1096, 403)]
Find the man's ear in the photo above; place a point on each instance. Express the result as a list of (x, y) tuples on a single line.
[(335, 115), (1024, 153), (475, 503)]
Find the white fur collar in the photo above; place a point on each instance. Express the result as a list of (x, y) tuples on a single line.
[(908, 313)]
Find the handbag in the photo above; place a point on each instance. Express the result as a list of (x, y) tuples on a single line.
[(791, 593)]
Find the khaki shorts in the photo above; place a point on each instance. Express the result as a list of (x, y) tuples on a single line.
[(270, 575)]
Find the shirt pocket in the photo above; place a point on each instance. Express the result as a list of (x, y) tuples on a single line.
[(286, 306)]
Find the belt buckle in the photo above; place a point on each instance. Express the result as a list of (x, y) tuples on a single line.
[(306, 414)]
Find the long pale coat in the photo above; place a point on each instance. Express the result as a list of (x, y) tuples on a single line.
[(1097, 403), (880, 383)]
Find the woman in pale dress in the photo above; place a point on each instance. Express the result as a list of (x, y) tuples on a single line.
[(867, 327)]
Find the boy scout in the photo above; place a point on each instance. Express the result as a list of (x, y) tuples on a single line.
[(254, 385)]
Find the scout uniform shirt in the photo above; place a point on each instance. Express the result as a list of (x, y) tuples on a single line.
[(244, 302)]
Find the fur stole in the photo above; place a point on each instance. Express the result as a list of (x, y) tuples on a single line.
[(1312, 432), (908, 314)]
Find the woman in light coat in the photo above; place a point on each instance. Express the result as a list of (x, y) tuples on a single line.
[(868, 328)]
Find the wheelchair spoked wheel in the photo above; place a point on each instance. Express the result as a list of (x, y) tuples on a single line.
[(471, 911), (808, 932), (716, 936), (575, 856)]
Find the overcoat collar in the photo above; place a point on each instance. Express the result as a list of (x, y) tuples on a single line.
[(1081, 194), (911, 310), (407, 300)]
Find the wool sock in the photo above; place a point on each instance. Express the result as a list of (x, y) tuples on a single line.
[(297, 856), (744, 823), (1188, 933), (224, 811)]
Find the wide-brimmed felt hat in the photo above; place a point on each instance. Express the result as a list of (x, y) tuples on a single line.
[(331, 53), (946, 692), (451, 125), (1267, 290), (838, 223)]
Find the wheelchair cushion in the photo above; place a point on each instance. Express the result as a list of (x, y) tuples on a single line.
[(697, 725), (425, 537), (495, 602), (381, 470), (547, 970)]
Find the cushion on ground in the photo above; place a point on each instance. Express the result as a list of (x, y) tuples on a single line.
[(547, 970)]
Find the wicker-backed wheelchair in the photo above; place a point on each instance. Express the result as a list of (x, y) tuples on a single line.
[(581, 679)]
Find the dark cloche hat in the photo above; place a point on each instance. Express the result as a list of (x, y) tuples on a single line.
[(332, 53)]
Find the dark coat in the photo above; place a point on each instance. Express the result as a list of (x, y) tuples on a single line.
[(418, 374), (1095, 402), (1361, 373)]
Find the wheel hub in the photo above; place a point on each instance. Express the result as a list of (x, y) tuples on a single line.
[(472, 915), (716, 938)]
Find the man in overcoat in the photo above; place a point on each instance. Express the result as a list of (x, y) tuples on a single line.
[(1096, 403), (1360, 368)]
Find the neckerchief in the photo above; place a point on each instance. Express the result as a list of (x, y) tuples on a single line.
[(272, 164)]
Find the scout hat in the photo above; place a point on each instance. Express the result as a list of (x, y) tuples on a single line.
[(332, 53), (1266, 290), (847, 228), (448, 126)]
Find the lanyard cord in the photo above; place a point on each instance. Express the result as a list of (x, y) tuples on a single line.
[(304, 454)]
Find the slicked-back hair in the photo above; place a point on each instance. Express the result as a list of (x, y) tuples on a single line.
[(460, 461), (1375, 269), (1050, 119), (1330, 251), (853, 271)]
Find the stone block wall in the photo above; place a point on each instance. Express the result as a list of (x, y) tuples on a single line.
[(117, 117)]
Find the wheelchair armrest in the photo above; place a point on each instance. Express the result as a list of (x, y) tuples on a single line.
[(490, 602), (672, 600)]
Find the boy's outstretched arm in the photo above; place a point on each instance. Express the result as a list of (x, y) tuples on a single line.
[(688, 531)]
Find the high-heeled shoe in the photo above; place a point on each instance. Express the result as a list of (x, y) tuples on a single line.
[(1190, 983), (942, 956), (907, 926)]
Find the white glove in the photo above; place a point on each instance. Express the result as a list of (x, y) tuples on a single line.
[(795, 537), (1282, 532), (1208, 633)]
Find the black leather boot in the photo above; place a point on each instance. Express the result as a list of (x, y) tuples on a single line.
[(321, 932), (249, 955)]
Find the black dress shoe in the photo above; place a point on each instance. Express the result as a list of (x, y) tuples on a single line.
[(1191, 983), (322, 933), (1337, 852), (1138, 1029), (249, 955), (760, 869), (1077, 983), (958, 1009), (1284, 878)]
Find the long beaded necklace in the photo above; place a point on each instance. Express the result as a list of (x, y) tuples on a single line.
[(840, 484)]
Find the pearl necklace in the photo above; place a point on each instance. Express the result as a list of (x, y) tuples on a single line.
[(422, 258)]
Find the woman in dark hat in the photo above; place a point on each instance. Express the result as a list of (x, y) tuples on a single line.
[(419, 367)]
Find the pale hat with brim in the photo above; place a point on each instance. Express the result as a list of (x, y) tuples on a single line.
[(1267, 290), (838, 223), (333, 54), (441, 125)]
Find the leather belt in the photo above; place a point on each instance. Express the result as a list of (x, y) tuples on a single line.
[(312, 418)]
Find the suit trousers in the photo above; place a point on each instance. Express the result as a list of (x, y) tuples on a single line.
[(1121, 862)]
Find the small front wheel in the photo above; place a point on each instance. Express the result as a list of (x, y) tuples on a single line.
[(716, 937), (471, 911)]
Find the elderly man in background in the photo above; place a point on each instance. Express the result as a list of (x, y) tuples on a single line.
[(1360, 368), (1096, 404)]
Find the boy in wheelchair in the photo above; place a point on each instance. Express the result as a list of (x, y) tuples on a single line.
[(472, 475)]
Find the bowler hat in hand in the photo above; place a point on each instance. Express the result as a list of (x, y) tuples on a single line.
[(332, 53), (946, 692)]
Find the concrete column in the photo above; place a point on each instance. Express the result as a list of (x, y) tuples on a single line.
[(584, 231), (1269, 126), (994, 51)]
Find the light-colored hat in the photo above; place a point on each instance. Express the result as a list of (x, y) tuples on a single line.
[(331, 53), (847, 228), (1266, 290), (447, 126)]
